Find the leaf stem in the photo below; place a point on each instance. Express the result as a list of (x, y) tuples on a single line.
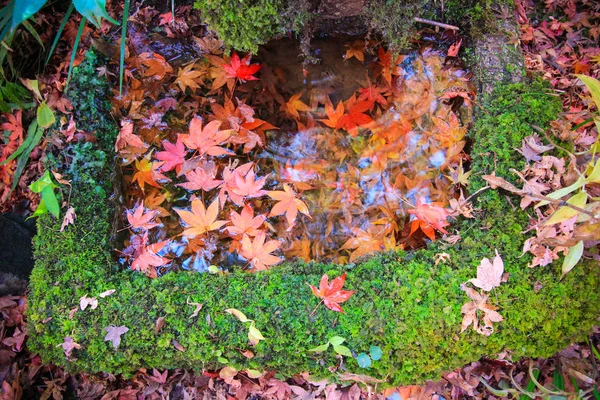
[(315, 309)]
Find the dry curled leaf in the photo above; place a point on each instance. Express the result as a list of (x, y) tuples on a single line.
[(470, 309)]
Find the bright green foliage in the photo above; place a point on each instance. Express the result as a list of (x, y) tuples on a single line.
[(404, 303), (243, 24), (48, 202)]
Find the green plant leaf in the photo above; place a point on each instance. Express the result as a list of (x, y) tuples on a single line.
[(320, 349), (94, 10), (24, 9), (45, 116), (364, 361), (593, 86), (337, 340), (60, 30), (375, 352), (123, 40), (34, 33), (222, 360), (342, 350), (572, 257), (50, 200), (42, 182), (566, 212), (36, 134), (74, 51)]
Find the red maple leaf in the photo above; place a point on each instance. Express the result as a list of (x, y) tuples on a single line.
[(173, 156), (140, 220), (356, 116), (241, 69), (331, 294), (148, 258), (428, 217)]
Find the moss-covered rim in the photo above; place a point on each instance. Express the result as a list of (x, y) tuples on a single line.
[(404, 303)]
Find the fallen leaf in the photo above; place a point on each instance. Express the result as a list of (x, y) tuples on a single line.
[(107, 293), (69, 218), (331, 293), (257, 252), (114, 333), (200, 219), (287, 204), (489, 274), (197, 309), (69, 345), (85, 301)]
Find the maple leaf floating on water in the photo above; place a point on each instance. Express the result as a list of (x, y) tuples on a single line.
[(428, 217), (200, 219), (241, 69), (208, 139), (245, 223), (288, 204), (489, 275), (113, 333), (257, 252), (331, 294), (173, 156), (140, 220)]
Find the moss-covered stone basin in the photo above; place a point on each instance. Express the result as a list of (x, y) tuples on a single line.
[(405, 303)]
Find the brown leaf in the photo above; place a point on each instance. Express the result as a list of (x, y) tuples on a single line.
[(113, 333), (178, 346), (69, 345), (160, 322), (69, 218), (489, 275)]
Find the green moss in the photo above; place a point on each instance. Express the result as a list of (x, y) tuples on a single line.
[(403, 302), (243, 24)]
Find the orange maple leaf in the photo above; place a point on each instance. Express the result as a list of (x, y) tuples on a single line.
[(147, 173), (356, 49), (200, 219), (287, 204), (364, 242), (158, 67), (189, 77), (331, 294), (356, 116), (257, 252), (293, 105), (334, 117), (206, 140), (245, 223)]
